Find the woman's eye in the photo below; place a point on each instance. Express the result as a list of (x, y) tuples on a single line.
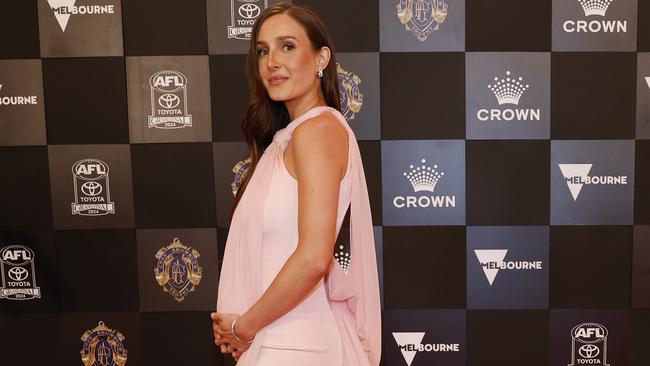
[(288, 46), (260, 52)]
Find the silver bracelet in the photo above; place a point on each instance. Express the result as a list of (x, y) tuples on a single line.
[(235, 334)]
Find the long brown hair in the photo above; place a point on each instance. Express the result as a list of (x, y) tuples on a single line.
[(265, 116)]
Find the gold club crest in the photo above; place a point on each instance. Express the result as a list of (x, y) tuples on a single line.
[(350, 94), (422, 17), (240, 169), (103, 346), (178, 270)]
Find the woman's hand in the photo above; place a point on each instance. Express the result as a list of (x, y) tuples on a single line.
[(221, 326)]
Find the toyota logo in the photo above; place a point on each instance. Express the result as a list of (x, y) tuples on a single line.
[(91, 188), (169, 100), (249, 11), (589, 351), (17, 273)]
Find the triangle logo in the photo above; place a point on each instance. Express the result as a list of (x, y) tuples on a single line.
[(575, 170), (407, 338), (485, 256), (61, 18)]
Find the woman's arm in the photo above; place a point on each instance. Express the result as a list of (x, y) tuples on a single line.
[(320, 159)]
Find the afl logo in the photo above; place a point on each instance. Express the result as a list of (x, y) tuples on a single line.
[(17, 273), (103, 346), (169, 100), (589, 344), (91, 188), (589, 332), (168, 81), (90, 169)]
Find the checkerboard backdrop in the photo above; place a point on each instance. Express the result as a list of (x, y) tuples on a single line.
[(506, 146)]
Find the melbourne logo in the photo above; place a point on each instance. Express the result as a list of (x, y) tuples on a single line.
[(18, 274), (63, 9), (589, 345), (424, 178), (351, 97), (242, 17), (492, 260), (17, 99), (410, 343), (91, 188), (169, 100), (422, 17), (178, 270), (577, 175), (595, 9), (508, 90), (103, 346)]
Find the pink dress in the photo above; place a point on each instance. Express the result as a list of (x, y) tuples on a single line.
[(338, 323), (308, 332)]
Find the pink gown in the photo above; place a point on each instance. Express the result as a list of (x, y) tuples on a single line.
[(322, 329)]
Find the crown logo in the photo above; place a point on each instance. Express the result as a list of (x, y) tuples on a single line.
[(508, 90), (423, 178), (595, 7)]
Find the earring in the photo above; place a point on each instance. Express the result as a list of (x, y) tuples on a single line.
[(320, 72)]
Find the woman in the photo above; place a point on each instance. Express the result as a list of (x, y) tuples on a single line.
[(283, 298)]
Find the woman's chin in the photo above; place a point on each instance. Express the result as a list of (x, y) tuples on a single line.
[(278, 97)]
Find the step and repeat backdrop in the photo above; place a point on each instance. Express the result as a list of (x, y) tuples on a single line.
[(506, 146)]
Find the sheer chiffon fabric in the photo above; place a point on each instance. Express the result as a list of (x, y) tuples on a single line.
[(340, 321)]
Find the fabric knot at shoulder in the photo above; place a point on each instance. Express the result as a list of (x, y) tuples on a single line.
[(282, 137)]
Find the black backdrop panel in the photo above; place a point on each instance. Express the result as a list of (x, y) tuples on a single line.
[(579, 82), (598, 259)]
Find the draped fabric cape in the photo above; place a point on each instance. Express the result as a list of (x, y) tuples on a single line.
[(354, 296)]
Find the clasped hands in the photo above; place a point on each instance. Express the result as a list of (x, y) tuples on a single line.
[(221, 327)]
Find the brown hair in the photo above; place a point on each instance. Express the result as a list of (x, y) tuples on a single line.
[(265, 116)]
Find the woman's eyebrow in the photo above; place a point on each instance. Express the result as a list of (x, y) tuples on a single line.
[(280, 38)]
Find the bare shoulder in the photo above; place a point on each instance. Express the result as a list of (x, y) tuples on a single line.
[(326, 126), (322, 137)]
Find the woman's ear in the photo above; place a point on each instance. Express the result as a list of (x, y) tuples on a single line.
[(324, 57)]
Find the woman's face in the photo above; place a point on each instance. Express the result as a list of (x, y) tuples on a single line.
[(285, 59)]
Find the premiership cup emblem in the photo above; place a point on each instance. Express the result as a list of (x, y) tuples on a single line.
[(91, 190), (178, 270), (422, 17), (169, 100), (242, 17), (350, 95), (589, 345), (18, 275), (103, 346)]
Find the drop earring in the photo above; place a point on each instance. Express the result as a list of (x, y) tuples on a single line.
[(320, 72)]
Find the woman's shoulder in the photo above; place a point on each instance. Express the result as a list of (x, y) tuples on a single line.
[(326, 125), (321, 139)]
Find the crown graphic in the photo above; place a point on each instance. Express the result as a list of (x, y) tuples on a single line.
[(423, 178), (508, 90), (595, 7)]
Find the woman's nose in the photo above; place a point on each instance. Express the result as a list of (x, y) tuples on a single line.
[(271, 60)]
